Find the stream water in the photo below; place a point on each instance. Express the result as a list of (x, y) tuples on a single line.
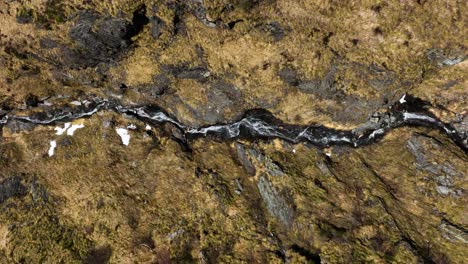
[(261, 124)]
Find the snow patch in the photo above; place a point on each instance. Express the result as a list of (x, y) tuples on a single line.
[(53, 145), (60, 131), (69, 128), (402, 99), (73, 128), (124, 135)]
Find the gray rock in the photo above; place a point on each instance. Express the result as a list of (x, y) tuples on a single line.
[(415, 147), (38, 192), (321, 87), (379, 78), (240, 188), (256, 154), (157, 26), (443, 174), (444, 58), (273, 169), (224, 96), (16, 126), (275, 203), (324, 88), (461, 125), (289, 76), (98, 39), (443, 190), (453, 233), (309, 86), (228, 89), (244, 159), (323, 168), (11, 187), (450, 170), (102, 39), (444, 181), (161, 83), (199, 11)]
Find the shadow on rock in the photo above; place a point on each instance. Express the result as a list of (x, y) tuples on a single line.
[(102, 39)]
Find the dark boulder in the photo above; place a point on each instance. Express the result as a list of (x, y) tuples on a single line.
[(11, 187), (102, 39)]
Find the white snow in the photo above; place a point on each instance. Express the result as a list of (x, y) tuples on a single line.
[(132, 126), (73, 128), (75, 103), (328, 154), (53, 145), (402, 99), (124, 135), (60, 131), (69, 128), (148, 127)]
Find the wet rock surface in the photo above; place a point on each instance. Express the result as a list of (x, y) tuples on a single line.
[(233, 132)]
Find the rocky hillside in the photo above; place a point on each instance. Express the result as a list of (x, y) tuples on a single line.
[(243, 131)]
